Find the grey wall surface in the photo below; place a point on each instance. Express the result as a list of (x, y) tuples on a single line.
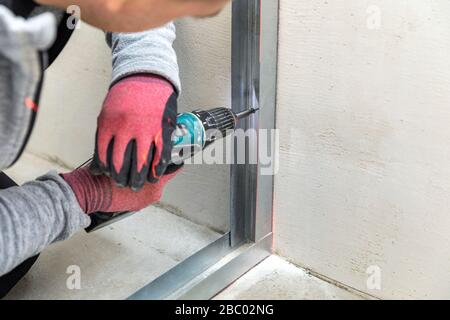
[(364, 117)]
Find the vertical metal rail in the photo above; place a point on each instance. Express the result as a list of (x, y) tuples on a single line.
[(254, 70), (245, 71)]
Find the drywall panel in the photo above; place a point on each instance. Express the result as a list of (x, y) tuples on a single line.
[(78, 81), (363, 192)]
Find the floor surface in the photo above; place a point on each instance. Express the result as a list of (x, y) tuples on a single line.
[(275, 278)]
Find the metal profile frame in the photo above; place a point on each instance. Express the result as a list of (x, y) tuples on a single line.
[(254, 70)]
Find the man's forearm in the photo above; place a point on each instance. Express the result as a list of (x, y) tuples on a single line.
[(137, 15), (99, 13), (35, 215), (122, 15), (145, 52)]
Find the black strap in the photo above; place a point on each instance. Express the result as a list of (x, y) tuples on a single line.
[(24, 8), (64, 34), (19, 7)]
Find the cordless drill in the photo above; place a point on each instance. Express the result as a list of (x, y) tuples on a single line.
[(195, 131)]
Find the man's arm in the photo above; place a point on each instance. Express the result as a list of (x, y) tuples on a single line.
[(137, 15), (35, 215), (148, 52)]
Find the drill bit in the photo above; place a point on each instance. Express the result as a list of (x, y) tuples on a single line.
[(246, 113)]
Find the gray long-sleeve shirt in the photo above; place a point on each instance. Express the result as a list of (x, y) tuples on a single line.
[(41, 212)]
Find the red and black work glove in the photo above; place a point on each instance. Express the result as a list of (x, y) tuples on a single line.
[(135, 126)]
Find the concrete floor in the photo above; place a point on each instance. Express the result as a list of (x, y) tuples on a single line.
[(114, 262), (275, 278)]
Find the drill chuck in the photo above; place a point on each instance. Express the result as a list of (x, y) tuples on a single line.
[(217, 123)]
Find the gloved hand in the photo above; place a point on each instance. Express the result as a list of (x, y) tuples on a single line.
[(135, 127), (100, 194)]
